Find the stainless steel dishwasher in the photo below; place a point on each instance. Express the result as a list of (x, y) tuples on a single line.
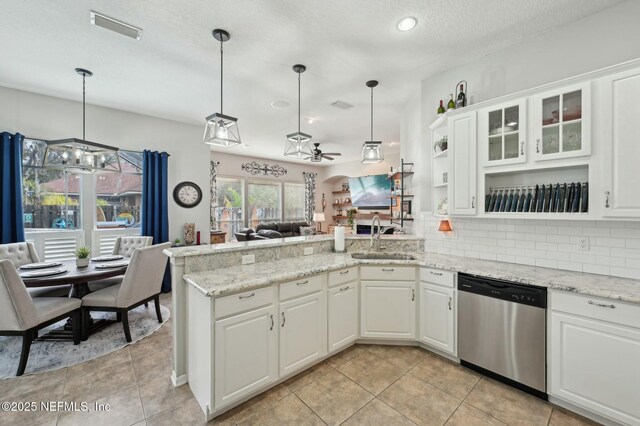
[(502, 331)]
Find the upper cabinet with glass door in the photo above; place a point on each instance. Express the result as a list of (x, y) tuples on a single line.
[(502, 132), (562, 123)]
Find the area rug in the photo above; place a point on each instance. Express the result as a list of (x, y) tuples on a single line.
[(52, 355)]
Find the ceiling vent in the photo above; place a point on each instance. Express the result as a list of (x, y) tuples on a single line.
[(341, 104), (100, 20)]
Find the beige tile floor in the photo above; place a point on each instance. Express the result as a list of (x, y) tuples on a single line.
[(363, 385)]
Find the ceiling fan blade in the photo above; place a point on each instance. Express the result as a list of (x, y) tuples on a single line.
[(327, 157), (332, 153)]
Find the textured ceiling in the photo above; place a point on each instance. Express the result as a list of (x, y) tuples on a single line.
[(173, 72)]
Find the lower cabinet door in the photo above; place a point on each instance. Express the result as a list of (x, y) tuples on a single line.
[(246, 354), (595, 364), (388, 310), (437, 314), (343, 316), (303, 331)]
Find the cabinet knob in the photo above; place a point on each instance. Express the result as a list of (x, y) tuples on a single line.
[(606, 199), (284, 320), (538, 146), (521, 147)]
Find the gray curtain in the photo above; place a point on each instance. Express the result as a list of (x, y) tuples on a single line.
[(213, 188), (309, 195)]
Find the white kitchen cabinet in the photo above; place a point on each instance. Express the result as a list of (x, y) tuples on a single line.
[(619, 116), (246, 354), (388, 309), (561, 125), (502, 133), (303, 331), (343, 316), (594, 353), (437, 317), (462, 184)]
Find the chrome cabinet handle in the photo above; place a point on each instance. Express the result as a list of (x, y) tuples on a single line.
[(413, 294), (284, 320), (473, 202), (246, 297), (606, 199), (436, 273), (450, 303), (387, 270), (302, 282), (603, 305), (271, 316), (344, 288), (344, 272), (521, 147), (538, 146)]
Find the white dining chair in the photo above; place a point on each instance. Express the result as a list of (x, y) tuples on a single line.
[(124, 246), (22, 315)]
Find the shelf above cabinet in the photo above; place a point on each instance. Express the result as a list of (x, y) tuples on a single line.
[(441, 154), (442, 185), (341, 192)]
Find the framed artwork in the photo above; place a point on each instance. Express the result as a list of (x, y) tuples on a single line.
[(406, 206)]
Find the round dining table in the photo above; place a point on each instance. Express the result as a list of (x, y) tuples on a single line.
[(79, 279)]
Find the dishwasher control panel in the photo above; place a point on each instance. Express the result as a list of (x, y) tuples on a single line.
[(505, 290)]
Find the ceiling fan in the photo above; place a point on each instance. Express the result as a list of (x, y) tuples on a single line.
[(317, 155)]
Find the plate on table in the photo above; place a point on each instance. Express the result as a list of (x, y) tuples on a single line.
[(112, 265), (109, 258), (44, 273), (40, 265)]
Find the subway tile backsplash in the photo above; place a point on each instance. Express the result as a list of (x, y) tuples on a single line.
[(613, 247)]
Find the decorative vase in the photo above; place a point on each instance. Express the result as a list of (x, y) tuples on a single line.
[(189, 233), (82, 263)]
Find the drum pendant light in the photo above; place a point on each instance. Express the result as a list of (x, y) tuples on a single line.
[(80, 155), (372, 150), (298, 144), (221, 130)]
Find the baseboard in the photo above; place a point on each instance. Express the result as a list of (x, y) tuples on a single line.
[(582, 411), (178, 380)]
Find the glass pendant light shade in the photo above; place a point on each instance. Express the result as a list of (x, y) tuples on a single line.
[(372, 150), (81, 155), (298, 144), (220, 129)]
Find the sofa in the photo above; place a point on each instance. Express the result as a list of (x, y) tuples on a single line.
[(271, 230)]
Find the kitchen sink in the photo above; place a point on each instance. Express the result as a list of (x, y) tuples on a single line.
[(383, 256)]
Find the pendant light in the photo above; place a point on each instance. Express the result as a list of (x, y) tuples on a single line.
[(221, 130), (81, 155), (298, 144), (372, 150)]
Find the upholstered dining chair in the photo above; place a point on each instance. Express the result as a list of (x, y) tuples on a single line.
[(141, 284), (24, 253), (22, 315), (124, 246)]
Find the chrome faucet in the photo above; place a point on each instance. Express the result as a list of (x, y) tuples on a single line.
[(377, 235)]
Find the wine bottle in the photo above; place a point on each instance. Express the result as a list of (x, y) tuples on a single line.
[(461, 101), (441, 107), (451, 104)]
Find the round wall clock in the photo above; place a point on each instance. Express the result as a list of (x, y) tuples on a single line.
[(187, 194)]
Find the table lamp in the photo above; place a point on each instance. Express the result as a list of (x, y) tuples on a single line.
[(318, 218)]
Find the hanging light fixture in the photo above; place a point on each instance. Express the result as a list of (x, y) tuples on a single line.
[(298, 144), (81, 155), (372, 150), (221, 130)]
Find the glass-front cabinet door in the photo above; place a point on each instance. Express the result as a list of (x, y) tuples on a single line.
[(562, 123), (502, 132)]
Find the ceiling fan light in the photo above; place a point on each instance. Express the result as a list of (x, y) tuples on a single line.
[(221, 130), (372, 152)]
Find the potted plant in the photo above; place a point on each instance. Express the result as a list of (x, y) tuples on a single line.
[(82, 256), (351, 219), (441, 144)]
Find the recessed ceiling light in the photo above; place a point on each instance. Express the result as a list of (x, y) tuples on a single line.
[(280, 104), (406, 24), (310, 120)]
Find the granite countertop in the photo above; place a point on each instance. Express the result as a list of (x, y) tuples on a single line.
[(241, 278)]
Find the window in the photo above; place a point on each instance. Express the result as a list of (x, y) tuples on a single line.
[(51, 198), (119, 195), (263, 202), (228, 213), (293, 202)]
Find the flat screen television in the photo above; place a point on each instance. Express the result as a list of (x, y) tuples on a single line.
[(370, 192)]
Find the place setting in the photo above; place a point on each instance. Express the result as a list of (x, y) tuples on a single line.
[(110, 261), (42, 269)]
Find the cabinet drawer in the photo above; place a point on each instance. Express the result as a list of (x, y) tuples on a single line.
[(438, 276), (229, 305), (342, 276), (600, 308), (301, 286), (391, 272)]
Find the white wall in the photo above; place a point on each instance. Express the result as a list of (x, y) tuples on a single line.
[(53, 118)]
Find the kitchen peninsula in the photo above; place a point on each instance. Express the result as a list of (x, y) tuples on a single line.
[(242, 327)]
